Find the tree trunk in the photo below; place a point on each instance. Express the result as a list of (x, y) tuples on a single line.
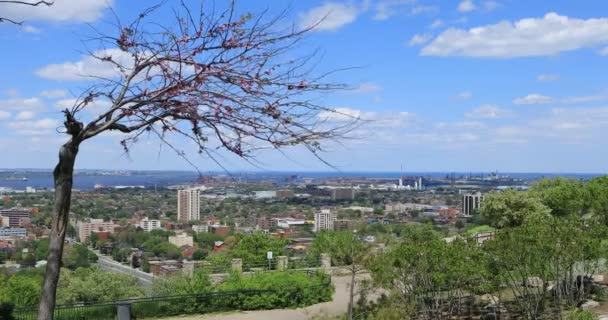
[(62, 175), (352, 293)]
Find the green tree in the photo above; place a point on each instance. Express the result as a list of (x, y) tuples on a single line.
[(563, 196), (511, 208), (42, 249), (22, 289), (423, 268), (252, 248), (597, 191), (347, 250), (88, 285), (93, 238), (180, 284), (78, 256)]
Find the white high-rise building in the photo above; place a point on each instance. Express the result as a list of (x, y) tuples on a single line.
[(189, 205), (324, 220)]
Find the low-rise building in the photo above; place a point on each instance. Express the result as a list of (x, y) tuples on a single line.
[(220, 230), (289, 223), (13, 232), (149, 224), (17, 217), (200, 228), (164, 268), (181, 239), (94, 225)]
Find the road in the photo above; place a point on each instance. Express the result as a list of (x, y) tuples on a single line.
[(109, 264), (338, 306)]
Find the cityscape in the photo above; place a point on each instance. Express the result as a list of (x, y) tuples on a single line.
[(306, 160)]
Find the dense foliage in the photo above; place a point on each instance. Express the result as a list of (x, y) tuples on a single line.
[(82, 285), (549, 242)]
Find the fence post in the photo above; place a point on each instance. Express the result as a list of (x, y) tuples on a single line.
[(237, 265), (123, 310), (188, 268), (282, 263), (325, 262)]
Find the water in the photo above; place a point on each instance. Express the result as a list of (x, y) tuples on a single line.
[(44, 180), (87, 182)]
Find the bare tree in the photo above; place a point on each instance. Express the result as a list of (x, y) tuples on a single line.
[(24, 3), (221, 80)]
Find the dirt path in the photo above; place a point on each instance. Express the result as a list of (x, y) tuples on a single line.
[(336, 307)]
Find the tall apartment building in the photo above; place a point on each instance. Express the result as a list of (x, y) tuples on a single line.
[(471, 202), (16, 216), (189, 205), (94, 225), (324, 220), (149, 225)]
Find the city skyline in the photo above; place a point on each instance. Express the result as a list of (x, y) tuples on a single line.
[(441, 93)]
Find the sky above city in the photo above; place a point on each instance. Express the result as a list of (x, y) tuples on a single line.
[(513, 86)]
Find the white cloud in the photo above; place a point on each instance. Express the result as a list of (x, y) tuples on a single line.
[(329, 16), (386, 8), (424, 9), (570, 119), (25, 115), (547, 77), (4, 115), (54, 94), (604, 51), (533, 98), (488, 111), (419, 39), (87, 67), (12, 92), (544, 36), (30, 29), (466, 6), (491, 5), (584, 99), (436, 24), (34, 127), (21, 104), (461, 125), (61, 10), (464, 95), (94, 107)]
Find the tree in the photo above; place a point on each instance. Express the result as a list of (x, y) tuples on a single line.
[(88, 285), (252, 248), (345, 249), (511, 208), (423, 273), (23, 3), (597, 189), (563, 196), (93, 238), (22, 289), (222, 81)]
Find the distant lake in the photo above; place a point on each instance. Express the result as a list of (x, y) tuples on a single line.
[(87, 182), (42, 180)]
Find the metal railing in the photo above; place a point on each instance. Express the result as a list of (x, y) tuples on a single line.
[(163, 306)]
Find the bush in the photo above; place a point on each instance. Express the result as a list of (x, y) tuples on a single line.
[(577, 314), (277, 290)]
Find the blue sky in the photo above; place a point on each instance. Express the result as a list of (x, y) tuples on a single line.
[(449, 85)]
